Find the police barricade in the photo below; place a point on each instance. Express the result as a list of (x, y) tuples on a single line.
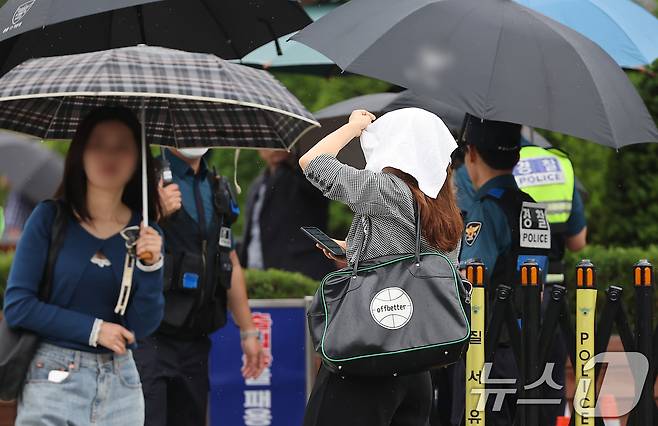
[(278, 397), (531, 337)]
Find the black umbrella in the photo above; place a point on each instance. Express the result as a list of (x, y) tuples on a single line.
[(494, 59), (31, 168), (227, 28)]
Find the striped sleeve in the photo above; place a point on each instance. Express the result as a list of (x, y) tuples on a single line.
[(363, 191)]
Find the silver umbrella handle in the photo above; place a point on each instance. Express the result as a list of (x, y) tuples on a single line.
[(130, 235)]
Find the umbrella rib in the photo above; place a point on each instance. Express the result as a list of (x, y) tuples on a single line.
[(624, 32), (545, 79), (162, 95), (173, 122), (349, 64), (52, 120), (610, 129), (493, 66), (222, 29)]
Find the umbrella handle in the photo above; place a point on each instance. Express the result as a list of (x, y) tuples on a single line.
[(146, 256)]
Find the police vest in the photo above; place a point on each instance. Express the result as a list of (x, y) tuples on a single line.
[(530, 238), (198, 268), (548, 177)]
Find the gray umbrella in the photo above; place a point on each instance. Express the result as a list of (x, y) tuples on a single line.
[(335, 115), (492, 58), (31, 168)]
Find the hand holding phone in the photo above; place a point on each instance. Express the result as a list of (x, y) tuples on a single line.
[(323, 240)]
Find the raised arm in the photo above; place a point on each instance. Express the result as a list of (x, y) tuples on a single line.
[(335, 141)]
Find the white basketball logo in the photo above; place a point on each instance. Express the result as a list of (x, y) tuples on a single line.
[(391, 308)]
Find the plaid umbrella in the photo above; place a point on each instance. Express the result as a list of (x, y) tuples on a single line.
[(185, 99), (190, 99)]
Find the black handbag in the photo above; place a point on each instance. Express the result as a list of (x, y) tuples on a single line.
[(17, 347), (392, 315)]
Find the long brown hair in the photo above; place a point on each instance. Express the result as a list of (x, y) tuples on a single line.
[(441, 219)]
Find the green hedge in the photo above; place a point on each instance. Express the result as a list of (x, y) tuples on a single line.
[(278, 284), (268, 284), (614, 266)]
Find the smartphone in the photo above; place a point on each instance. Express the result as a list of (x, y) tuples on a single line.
[(323, 239)]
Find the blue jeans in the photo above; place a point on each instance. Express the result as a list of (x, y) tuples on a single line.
[(85, 388)]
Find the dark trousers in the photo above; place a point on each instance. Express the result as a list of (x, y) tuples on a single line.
[(175, 381), (378, 401)]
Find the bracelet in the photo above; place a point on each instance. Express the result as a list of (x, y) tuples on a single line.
[(95, 331), (150, 268), (250, 333)]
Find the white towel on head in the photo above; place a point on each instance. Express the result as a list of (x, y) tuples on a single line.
[(412, 140)]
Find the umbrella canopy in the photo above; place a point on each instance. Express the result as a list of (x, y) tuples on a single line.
[(335, 115), (185, 99), (282, 55), (190, 99), (495, 59), (625, 30), (227, 28), (31, 168)]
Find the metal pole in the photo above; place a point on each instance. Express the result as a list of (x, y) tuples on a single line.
[(145, 194), (309, 351)]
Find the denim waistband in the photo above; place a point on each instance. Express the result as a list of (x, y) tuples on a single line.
[(82, 359)]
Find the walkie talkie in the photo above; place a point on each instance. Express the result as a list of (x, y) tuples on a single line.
[(165, 173)]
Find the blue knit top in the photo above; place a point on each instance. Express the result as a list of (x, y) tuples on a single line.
[(86, 283)]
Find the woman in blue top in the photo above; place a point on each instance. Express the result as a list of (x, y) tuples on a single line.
[(83, 371)]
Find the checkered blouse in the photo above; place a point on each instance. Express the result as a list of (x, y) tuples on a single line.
[(383, 207)]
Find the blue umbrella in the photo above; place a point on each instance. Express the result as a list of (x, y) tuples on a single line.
[(626, 31)]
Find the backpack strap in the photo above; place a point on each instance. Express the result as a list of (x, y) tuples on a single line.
[(57, 234)]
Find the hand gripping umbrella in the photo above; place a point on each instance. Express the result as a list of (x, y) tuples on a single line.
[(184, 99)]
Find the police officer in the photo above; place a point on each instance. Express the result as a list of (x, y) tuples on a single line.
[(493, 230), (547, 175), (202, 278)]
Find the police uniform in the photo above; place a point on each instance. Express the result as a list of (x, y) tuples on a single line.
[(496, 232), (548, 176), (173, 362)]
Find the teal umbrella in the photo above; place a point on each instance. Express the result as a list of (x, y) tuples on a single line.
[(291, 56)]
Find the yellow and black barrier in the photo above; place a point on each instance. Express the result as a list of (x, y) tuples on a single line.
[(643, 283), (475, 355), (531, 288), (584, 397), (531, 338)]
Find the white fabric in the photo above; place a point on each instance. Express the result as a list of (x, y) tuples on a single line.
[(412, 140), (193, 153)]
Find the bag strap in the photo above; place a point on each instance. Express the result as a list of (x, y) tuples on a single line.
[(55, 244), (417, 249), (418, 227)]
